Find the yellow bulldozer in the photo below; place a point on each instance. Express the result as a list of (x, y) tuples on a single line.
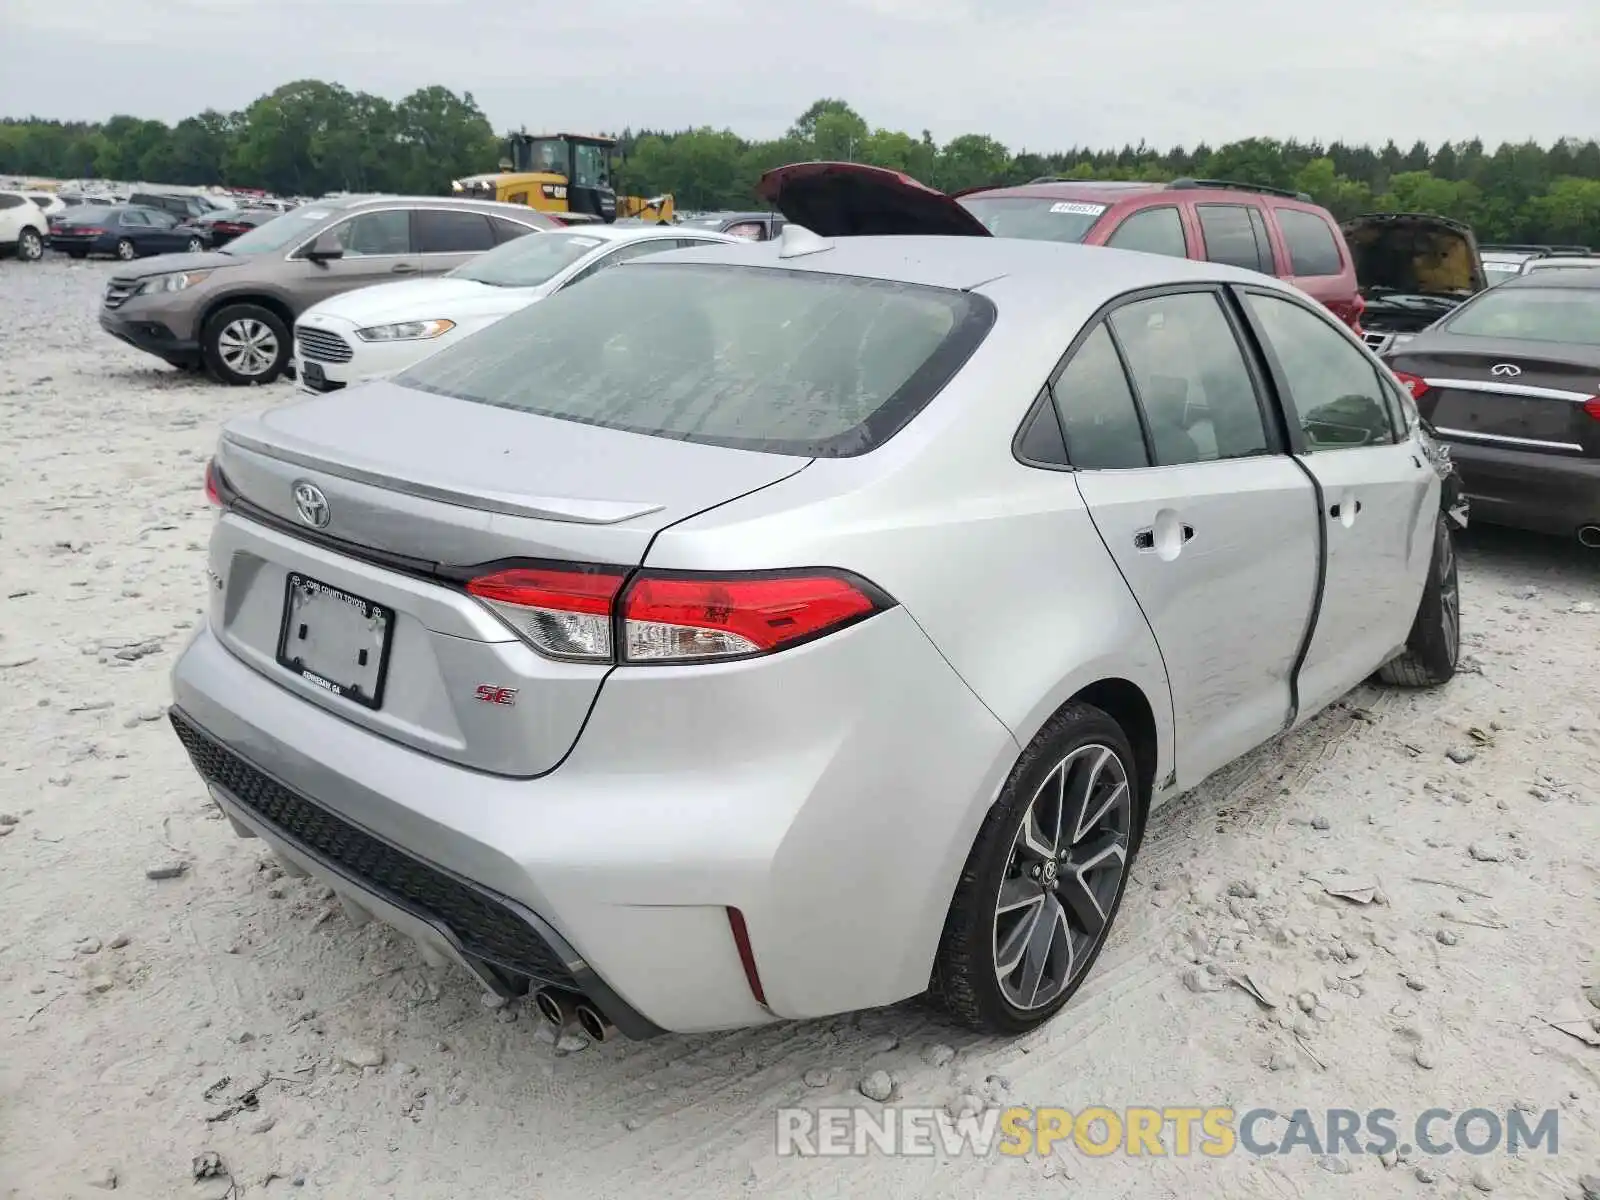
[(566, 174)]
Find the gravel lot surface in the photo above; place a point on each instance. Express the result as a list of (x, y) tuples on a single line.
[(233, 1023)]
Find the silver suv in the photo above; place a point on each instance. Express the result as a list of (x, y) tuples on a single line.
[(230, 311)]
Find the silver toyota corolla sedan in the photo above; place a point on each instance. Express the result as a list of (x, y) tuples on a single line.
[(769, 631)]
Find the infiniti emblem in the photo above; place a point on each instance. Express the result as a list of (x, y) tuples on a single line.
[(1509, 370), (311, 504)]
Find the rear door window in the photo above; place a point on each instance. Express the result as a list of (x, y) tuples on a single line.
[(775, 360), (1194, 386), (1336, 396), (1230, 239), (507, 231), (1312, 248), (1153, 230), (1097, 410), (442, 231), (133, 216)]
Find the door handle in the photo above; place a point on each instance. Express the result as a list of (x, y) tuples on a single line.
[(1334, 510), (1145, 539), (402, 269)]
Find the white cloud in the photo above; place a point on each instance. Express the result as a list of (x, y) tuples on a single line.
[(1039, 75)]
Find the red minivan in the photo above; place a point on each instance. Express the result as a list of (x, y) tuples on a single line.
[(1263, 229)]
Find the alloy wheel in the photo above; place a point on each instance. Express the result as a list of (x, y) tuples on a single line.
[(126, 251), (30, 247), (1061, 879), (195, 245), (247, 347)]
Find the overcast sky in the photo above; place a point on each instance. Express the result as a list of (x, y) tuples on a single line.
[(1036, 74)]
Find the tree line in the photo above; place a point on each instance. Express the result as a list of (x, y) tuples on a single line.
[(310, 138)]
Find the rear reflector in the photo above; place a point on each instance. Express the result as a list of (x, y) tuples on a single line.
[(213, 487), (1414, 384), (747, 955), (576, 612), (563, 612)]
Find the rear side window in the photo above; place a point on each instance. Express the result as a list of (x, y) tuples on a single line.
[(440, 231), (375, 233), (1335, 394), (1312, 249), (10, 200), (783, 361), (1153, 230), (507, 231), (1229, 237), (1197, 393), (134, 217), (1097, 410)]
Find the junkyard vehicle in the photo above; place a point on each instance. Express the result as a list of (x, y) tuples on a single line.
[(376, 331), (231, 309), (1511, 383), (747, 226), (1560, 262), (560, 173), (825, 636), (1413, 268), (125, 231), (22, 227), (217, 229), (1262, 229)]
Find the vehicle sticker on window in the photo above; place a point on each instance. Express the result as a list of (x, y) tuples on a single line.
[(587, 243), (1078, 208)]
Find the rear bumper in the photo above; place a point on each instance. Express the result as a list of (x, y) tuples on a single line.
[(1524, 489), (834, 810)]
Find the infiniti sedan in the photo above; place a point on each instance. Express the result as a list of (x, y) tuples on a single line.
[(773, 630)]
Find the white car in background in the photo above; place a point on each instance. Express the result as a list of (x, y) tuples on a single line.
[(1560, 262), (22, 227), (375, 331)]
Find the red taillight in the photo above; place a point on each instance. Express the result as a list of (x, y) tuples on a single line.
[(564, 612), (574, 612), (213, 488), (689, 619), (229, 227), (1414, 384), (1592, 407), (86, 231)]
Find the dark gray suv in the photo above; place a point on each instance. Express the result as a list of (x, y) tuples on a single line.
[(231, 311)]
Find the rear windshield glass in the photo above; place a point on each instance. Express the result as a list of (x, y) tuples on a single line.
[(1532, 314), (529, 261), (787, 362), (1038, 218)]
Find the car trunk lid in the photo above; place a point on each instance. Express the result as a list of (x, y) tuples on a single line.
[(355, 520), (837, 199), (1516, 394)]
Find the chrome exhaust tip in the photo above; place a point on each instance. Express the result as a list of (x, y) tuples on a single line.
[(1589, 536), (594, 1023), (555, 1006)]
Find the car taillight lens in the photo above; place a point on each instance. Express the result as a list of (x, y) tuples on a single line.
[(1414, 384), (87, 230), (563, 612), (213, 483), (692, 618), (575, 613), (1592, 407)]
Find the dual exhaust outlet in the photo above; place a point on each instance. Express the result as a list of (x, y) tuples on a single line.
[(561, 1008), (1589, 536)]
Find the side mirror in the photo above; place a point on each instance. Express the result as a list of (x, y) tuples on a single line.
[(325, 248)]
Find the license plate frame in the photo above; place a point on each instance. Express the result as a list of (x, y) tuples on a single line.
[(311, 607)]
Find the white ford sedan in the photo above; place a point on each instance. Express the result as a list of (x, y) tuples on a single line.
[(373, 332)]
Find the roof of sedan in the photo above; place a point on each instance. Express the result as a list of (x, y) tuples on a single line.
[(966, 263), (1577, 280), (629, 233)]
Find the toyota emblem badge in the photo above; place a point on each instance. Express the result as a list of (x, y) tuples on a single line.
[(311, 504)]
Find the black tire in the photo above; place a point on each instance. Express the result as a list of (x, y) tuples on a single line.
[(126, 250), (969, 976), (238, 324), (30, 246), (1434, 645)]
